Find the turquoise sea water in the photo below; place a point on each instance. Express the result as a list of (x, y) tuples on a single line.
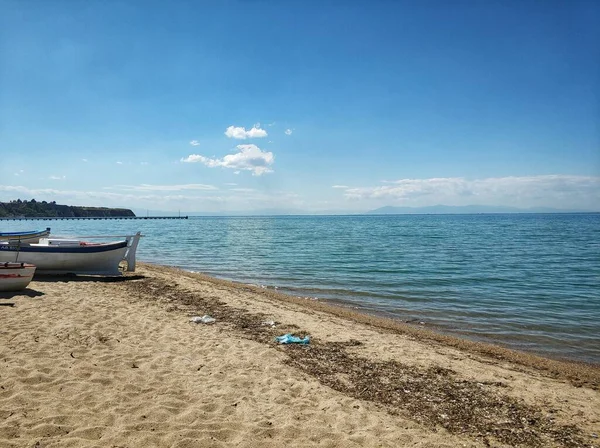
[(530, 282)]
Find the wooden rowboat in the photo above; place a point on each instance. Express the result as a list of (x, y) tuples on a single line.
[(28, 237), (15, 276), (62, 256)]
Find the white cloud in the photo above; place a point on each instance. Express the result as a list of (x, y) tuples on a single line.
[(57, 177), (231, 184), (18, 173), (558, 191), (240, 133), (340, 186), (249, 158), (143, 163), (119, 163), (161, 200), (288, 132), (149, 187), (84, 160), (194, 143), (193, 158), (562, 191), (101, 198)]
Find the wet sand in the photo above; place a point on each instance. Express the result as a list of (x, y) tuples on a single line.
[(88, 361)]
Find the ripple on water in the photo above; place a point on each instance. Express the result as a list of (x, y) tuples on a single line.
[(529, 281)]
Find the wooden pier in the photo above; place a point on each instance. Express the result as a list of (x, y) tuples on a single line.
[(75, 218)]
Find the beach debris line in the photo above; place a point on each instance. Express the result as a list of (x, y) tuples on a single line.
[(434, 396), (289, 338), (206, 319)]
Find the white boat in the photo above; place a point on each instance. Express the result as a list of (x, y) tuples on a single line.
[(70, 256), (29, 237), (15, 276)]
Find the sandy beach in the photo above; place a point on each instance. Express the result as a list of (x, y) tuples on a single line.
[(98, 362)]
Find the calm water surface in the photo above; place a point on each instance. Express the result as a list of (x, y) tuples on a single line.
[(530, 282)]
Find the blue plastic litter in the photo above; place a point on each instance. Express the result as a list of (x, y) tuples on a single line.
[(291, 339)]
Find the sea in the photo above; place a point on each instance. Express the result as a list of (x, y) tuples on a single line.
[(525, 281)]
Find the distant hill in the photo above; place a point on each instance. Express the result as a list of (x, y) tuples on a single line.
[(464, 209), (33, 208)]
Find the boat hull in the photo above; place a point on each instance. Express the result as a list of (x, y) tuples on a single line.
[(15, 276), (100, 259)]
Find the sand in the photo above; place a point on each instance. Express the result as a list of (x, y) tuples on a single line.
[(98, 362)]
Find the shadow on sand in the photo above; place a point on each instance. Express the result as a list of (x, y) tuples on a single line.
[(86, 278), (31, 293), (27, 292)]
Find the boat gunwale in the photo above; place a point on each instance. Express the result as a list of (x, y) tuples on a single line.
[(101, 247), (28, 233)]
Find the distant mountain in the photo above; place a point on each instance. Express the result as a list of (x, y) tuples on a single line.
[(465, 209)]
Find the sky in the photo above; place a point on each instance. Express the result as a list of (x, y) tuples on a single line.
[(323, 106)]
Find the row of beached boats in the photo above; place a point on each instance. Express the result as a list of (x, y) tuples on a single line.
[(24, 253)]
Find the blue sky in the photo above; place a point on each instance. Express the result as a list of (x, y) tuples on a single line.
[(320, 106)]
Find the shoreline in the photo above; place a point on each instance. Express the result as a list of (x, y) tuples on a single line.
[(449, 332), (95, 361), (579, 372)]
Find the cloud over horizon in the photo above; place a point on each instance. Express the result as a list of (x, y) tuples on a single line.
[(150, 187), (522, 191), (131, 199), (556, 191), (194, 197)]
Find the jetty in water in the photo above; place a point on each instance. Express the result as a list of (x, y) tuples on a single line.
[(73, 218)]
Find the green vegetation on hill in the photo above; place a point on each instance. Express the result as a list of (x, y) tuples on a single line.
[(33, 208)]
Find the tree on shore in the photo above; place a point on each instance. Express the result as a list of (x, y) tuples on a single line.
[(28, 209)]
